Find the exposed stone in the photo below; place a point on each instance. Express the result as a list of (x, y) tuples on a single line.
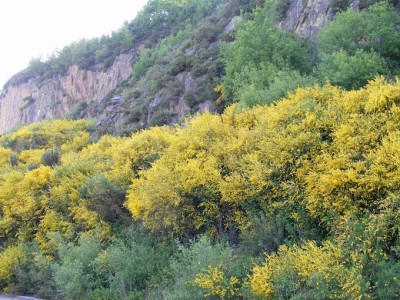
[(181, 76), (55, 97), (116, 100), (232, 24), (306, 17), (190, 51), (153, 105), (35, 101), (182, 109), (206, 106), (190, 83)]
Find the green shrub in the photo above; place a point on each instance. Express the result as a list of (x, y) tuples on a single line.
[(35, 276), (104, 197), (352, 71), (134, 262), (76, 274), (374, 28), (260, 51), (268, 84), (122, 270), (161, 117), (192, 260), (51, 157)]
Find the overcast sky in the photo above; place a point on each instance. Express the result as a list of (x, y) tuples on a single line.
[(33, 28)]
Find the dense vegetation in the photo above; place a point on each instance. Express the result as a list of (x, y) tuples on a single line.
[(266, 62), (312, 182), (296, 198)]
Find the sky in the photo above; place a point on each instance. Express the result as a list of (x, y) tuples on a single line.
[(36, 28)]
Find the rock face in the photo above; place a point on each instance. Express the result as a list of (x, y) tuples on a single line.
[(35, 101), (305, 17)]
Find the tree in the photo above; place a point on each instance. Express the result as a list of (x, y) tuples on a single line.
[(352, 72), (261, 53), (357, 46)]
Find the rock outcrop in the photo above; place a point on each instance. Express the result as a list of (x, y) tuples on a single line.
[(306, 17), (35, 101)]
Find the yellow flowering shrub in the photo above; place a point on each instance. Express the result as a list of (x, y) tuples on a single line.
[(31, 156), (45, 134), (5, 155), (20, 199), (80, 140), (315, 151), (306, 270), (214, 283), (10, 258), (181, 189)]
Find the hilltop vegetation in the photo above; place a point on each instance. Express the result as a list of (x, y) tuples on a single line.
[(290, 192)]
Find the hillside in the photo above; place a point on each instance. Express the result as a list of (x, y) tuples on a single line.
[(149, 72), (314, 177), (278, 180), (156, 69)]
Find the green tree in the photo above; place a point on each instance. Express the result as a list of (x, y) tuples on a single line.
[(262, 50), (357, 46), (352, 71)]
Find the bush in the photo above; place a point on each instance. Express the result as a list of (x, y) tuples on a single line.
[(352, 71), (307, 272), (262, 50), (76, 275), (374, 28), (51, 157), (134, 262), (268, 84), (122, 270), (104, 197), (35, 277), (190, 266)]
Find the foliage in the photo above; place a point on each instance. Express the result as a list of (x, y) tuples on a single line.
[(373, 29), (188, 269), (265, 63), (120, 270), (310, 180), (352, 72), (306, 272), (76, 274), (148, 57), (10, 258), (51, 157), (103, 197), (215, 283), (44, 135), (261, 50)]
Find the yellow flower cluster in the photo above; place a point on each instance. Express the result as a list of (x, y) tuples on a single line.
[(215, 283)]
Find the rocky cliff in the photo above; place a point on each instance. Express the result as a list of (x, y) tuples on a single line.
[(36, 100), (305, 17)]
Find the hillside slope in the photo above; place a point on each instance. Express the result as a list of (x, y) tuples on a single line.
[(288, 190), (188, 212), (159, 73)]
